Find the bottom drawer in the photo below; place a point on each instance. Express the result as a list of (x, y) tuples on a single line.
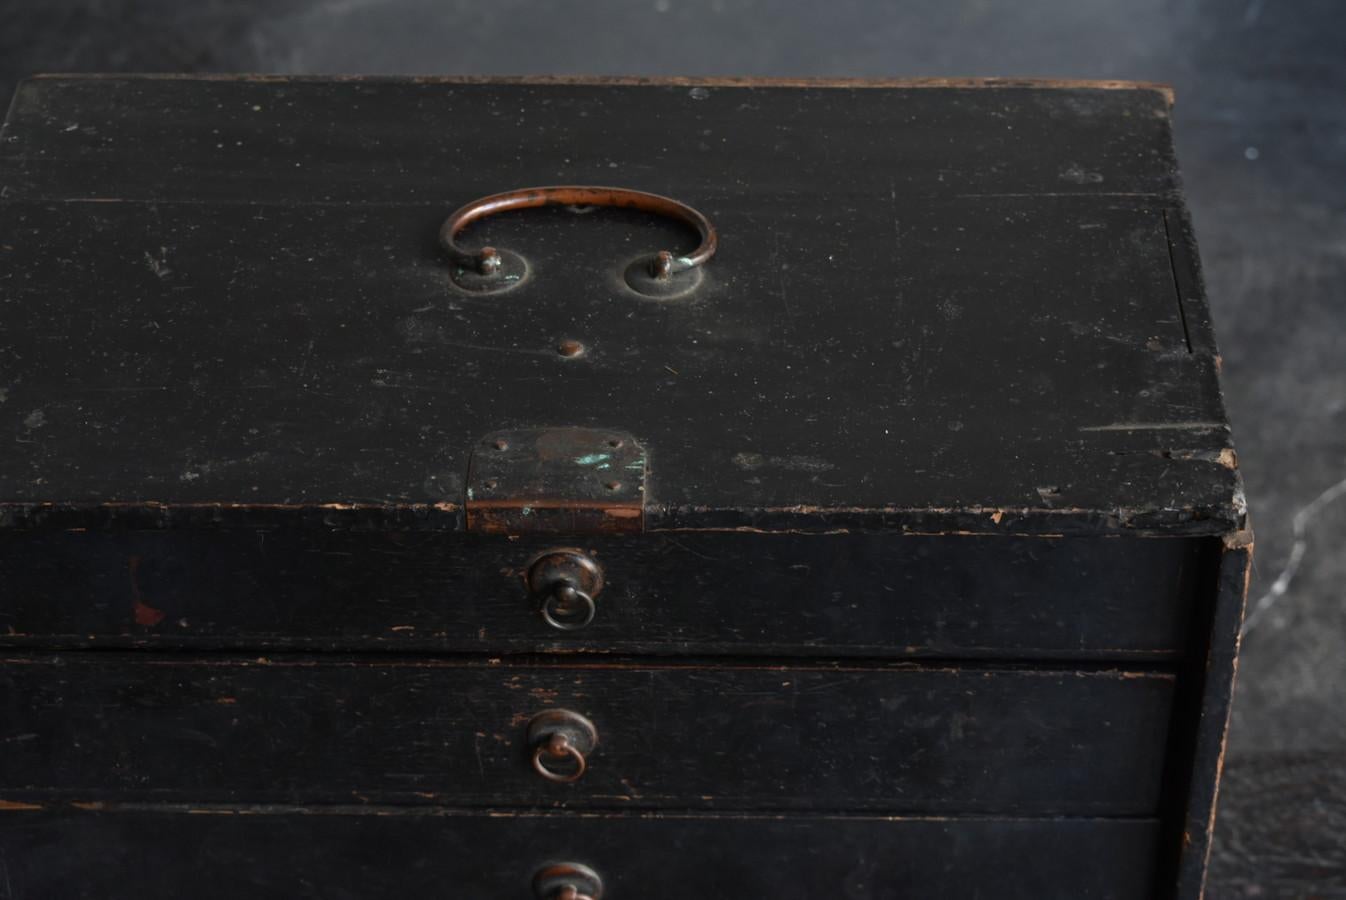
[(153, 852)]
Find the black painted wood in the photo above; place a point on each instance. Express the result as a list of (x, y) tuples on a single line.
[(1206, 713), (427, 130), (228, 730), (252, 318), (151, 853), (870, 595), (948, 391)]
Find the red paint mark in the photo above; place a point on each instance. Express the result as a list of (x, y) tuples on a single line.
[(144, 613)]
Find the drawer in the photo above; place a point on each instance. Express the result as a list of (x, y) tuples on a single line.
[(875, 595), (898, 738), (145, 854)]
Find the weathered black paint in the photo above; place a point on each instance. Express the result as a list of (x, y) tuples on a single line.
[(953, 740), (872, 595), (930, 309), (940, 514), (424, 855)]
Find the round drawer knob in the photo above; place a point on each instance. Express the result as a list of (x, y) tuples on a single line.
[(564, 584), (568, 881), (562, 741)]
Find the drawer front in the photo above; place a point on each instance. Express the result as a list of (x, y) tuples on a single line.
[(874, 595), (998, 741), (147, 854)]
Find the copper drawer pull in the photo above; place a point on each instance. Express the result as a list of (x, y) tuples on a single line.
[(489, 268), (565, 582), (558, 605), (568, 881), (561, 741)]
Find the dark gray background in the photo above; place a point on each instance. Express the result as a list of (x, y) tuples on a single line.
[(1261, 118)]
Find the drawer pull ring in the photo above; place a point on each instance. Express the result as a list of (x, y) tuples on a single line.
[(563, 598), (561, 742), (568, 881), (558, 748), (564, 583)]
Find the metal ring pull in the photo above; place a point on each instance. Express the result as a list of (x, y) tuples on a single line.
[(489, 268), (559, 747), (561, 741), (564, 582), (563, 597), (568, 881), (570, 892)]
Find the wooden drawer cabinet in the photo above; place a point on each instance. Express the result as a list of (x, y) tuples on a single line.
[(881, 537)]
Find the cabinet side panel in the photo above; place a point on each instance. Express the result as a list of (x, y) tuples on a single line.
[(1213, 689)]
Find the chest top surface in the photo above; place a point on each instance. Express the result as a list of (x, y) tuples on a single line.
[(974, 306)]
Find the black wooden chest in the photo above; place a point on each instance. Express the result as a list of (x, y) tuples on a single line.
[(881, 538)]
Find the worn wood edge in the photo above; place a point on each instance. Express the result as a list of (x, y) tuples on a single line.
[(450, 516), (1089, 670), (439, 811), (1209, 742), (729, 81), (510, 648)]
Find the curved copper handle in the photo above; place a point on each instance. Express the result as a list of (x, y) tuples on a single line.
[(487, 260)]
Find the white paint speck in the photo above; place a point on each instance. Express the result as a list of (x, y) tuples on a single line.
[(1251, 153)]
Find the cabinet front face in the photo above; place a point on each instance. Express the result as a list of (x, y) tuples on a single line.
[(720, 593), (343, 854), (906, 738)]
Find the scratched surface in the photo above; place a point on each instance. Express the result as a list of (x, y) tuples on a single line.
[(1260, 124), (893, 334)]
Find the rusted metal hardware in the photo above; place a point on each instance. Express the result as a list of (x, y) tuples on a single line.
[(564, 583), (562, 741), (568, 881), (557, 480), (483, 266)]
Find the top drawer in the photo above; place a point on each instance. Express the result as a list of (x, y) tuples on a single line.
[(876, 595)]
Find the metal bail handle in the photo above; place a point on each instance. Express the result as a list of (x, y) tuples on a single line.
[(487, 261)]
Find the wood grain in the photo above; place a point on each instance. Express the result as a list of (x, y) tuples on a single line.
[(351, 855), (315, 730)]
